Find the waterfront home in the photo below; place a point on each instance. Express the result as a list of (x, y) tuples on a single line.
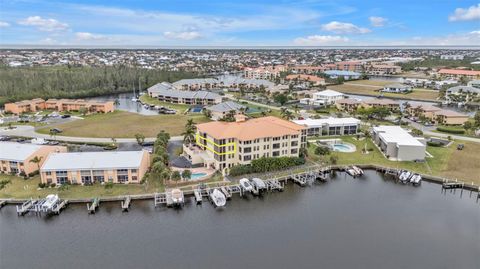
[(16, 158), (347, 104), (330, 126), (381, 103), (398, 144), (427, 111), (323, 98), (35, 105), (91, 167), (347, 75), (462, 94), (383, 69), (264, 72), (221, 145), (458, 73), (219, 111), (397, 88), (166, 92), (195, 84)]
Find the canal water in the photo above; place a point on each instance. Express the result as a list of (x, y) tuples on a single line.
[(370, 222), (125, 103)]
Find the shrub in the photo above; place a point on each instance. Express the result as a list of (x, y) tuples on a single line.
[(4, 183), (451, 130), (109, 185), (42, 185), (434, 144), (266, 165), (322, 151)]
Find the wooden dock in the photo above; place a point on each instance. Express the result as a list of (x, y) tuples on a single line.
[(453, 185), (126, 203), (59, 206), (93, 206), (198, 196), (25, 207), (226, 191)]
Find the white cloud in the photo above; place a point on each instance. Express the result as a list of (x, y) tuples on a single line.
[(47, 25), (377, 21), (470, 14), (315, 40), (89, 36), (188, 35), (344, 28), (475, 32), (4, 24)]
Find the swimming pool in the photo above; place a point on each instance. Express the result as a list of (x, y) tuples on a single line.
[(343, 147), (196, 176)]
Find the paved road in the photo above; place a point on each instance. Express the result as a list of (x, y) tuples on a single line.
[(29, 131), (428, 130)]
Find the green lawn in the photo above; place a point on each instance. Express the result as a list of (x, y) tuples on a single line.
[(28, 188), (446, 162), (122, 124)]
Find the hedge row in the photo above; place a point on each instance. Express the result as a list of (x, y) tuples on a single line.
[(266, 165), (451, 130)]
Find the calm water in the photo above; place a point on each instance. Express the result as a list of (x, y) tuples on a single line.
[(345, 223), (125, 103)]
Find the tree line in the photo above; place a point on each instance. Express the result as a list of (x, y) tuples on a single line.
[(19, 83)]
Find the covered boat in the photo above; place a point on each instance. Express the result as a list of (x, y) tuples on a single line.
[(218, 198), (245, 184)]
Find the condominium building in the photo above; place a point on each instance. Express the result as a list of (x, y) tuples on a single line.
[(16, 158), (222, 145), (347, 104), (350, 66), (462, 94), (219, 111), (264, 72), (166, 92), (196, 84), (383, 103), (60, 105), (382, 69), (457, 73), (323, 98), (309, 78), (330, 126), (91, 167), (398, 144)]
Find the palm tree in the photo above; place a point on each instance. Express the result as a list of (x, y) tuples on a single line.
[(296, 108), (189, 133), (288, 115), (283, 110), (37, 160), (140, 139)]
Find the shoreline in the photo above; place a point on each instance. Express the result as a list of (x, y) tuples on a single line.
[(189, 193)]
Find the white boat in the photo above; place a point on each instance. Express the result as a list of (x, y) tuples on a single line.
[(218, 198), (358, 170), (50, 202), (177, 196), (351, 172), (245, 184), (416, 179), (38, 141), (405, 176), (258, 183)]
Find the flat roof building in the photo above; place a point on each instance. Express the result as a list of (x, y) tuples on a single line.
[(34, 105), (330, 126), (16, 158), (398, 144), (91, 167), (222, 145)]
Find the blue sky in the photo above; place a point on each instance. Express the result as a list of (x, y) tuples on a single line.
[(240, 23)]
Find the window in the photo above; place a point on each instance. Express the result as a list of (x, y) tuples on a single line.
[(247, 157), (276, 153), (48, 173), (134, 178), (276, 146), (122, 178), (133, 171)]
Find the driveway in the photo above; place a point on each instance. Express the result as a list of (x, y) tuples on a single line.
[(428, 130), (29, 131)]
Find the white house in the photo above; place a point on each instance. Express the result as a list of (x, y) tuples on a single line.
[(398, 144), (397, 88), (323, 98), (330, 126)]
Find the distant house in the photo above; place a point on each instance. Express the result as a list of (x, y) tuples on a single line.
[(398, 144), (347, 104), (449, 117), (397, 88), (219, 111), (323, 98), (384, 103), (347, 75)]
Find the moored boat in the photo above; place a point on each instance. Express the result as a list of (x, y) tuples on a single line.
[(218, 198)]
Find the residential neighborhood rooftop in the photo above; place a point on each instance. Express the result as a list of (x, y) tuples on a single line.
[(93, 160), (396, 134), (12, 151)]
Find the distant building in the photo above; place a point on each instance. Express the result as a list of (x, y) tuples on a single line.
[(323, 98), (347, 75), (15, 158), (397, 88), (452, 57), (308, 78), (474, 83), (222, 145), (382, 69), (398, 144), (352, 66), (264, 72), (347, 104), (458, 73), (330, 126), (306, 69), (91, 167), (449, 117), (165, 92), (384, 103), (196, 84), (219, 111), (35, 105), (462, 94)]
